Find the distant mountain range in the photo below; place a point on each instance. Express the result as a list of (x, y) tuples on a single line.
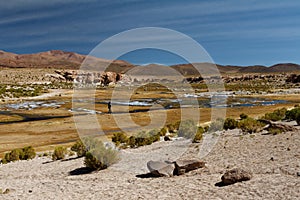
[(68, 60), (58, 59)]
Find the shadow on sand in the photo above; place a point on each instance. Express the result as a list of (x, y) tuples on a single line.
[(81, 171), (221, 184), (148, 175)]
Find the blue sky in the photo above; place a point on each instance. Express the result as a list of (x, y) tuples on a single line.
[(232, 31)]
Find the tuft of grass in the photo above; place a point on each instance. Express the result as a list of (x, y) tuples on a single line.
[(243, 116), (59, 153), (119, 138), (275, 131), (25, 153), (250, 125), (187, 129), (293, 114), (276, 115), (79, 148), (99, 157), (199, 135), (230, 123)]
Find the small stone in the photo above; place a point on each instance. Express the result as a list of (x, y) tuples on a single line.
[(6, 191), (236, 175), (30, 191), (298, 173)]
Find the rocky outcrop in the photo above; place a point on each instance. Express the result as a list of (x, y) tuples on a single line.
[(178, 167), (236, 175), (282, 127), (158, 168), (183, 166), (79, 77)]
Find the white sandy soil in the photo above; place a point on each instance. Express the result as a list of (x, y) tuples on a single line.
[(274, 178)]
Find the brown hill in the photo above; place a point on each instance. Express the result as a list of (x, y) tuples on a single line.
[(59, 60), (254, 69), (68, 60), (188, 69), (285, 67)]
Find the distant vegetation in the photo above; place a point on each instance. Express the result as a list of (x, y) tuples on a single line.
[(59, 153), (293, 114), (250, 125), (16, 91), (96, 155), (276, 115), (25, 153)]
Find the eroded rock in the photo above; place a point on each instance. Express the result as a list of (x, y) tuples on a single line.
[(183, 166), (236, 175), (158, 168)]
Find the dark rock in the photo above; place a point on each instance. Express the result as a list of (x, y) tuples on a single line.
[(298, 173), (183, 166), (167, 138), (158, 168), (6, 191), (236, 175), (281, 127)]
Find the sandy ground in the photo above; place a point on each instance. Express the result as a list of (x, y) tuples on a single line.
[(274, 178)]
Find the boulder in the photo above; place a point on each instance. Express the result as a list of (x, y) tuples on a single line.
[(236, 175), (158, 168), (282, 127), (183, 166)]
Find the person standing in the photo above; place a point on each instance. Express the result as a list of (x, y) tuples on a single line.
[(109, 107)]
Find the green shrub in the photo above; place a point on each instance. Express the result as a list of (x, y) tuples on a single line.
[(199, 135), (250, 125), (206, 128), (14, 155), (79, 148), (59, 153), (293, 114), (187, 129), (275, 131), (25, 153), (243, 116), (45, 154), (100, 157), (173, 127), (154, 135), (163, 131), (28, 153), (119, 138), (216, 125), (230, 124), (71, 153), (277, 115), (131, 141), (143, 138)]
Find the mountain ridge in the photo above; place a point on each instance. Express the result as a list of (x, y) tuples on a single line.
[(59, 59)]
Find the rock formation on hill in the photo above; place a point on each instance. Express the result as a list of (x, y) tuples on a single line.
[(82, 77)]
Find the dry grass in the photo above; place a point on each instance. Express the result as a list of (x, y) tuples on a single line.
[(43, 134)]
